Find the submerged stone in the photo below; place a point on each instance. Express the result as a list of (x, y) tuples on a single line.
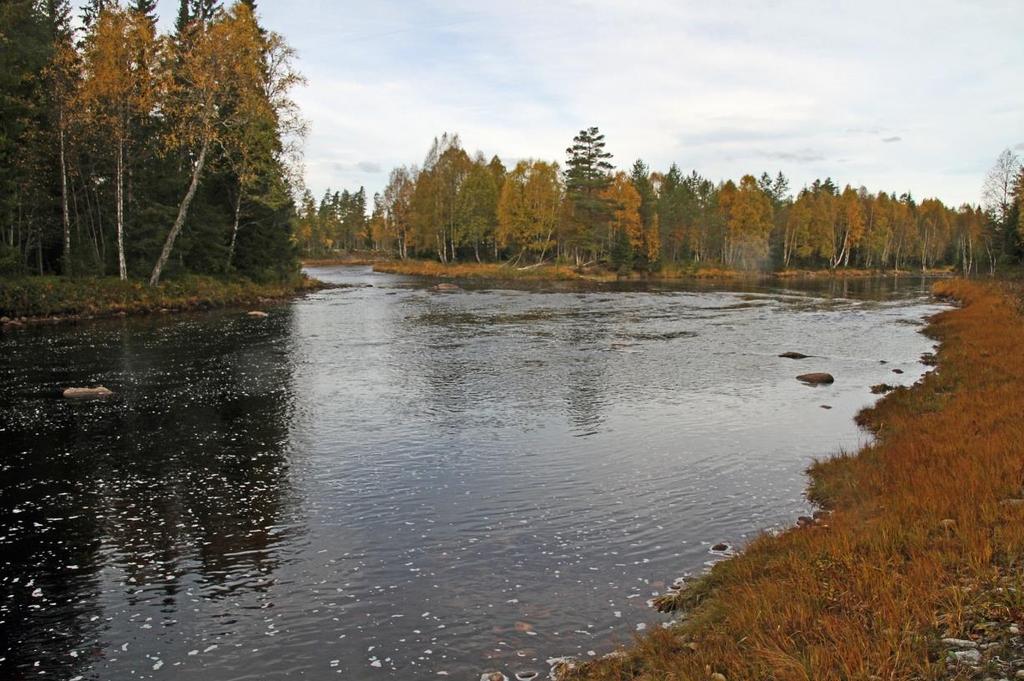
[(817, 378)]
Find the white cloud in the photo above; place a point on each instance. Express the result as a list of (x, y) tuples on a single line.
[(805, 87)]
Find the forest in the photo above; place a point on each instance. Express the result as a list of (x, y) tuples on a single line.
[(130, 153), (458, 207)]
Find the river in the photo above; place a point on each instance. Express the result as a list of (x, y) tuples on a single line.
[(385, 481)]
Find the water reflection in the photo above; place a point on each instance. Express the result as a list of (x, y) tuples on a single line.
[(115, 510)]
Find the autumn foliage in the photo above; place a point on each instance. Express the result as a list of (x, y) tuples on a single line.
[(925, 540)]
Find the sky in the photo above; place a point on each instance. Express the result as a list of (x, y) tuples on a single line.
[(895, 95)]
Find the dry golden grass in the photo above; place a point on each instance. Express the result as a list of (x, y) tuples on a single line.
[(914, 549), (502, 272)]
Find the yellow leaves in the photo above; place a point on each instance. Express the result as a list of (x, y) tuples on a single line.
[(216, 79), (625, 202), (529, 205), (119, 70)]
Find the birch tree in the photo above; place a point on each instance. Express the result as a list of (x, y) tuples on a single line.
[(119, 86), (215, 86)]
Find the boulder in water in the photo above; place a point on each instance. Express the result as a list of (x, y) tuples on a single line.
[(445, 286), (87, 393), (793, 355), (818, 378), (258, 314)]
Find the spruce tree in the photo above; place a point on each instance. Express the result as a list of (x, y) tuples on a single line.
[(91, 10), (146, 8), (184, 17), (204, 10)]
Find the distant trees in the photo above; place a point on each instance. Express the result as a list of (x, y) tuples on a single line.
[(115, 136), (458, 207), (1001, 198)]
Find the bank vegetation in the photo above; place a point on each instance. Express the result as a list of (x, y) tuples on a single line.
[(924, 540)]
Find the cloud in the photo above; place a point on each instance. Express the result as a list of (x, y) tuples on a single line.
[(801, 156), (672, 81)]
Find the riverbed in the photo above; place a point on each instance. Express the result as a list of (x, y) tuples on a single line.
[(388, 481)]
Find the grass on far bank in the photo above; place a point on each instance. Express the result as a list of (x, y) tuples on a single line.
[(36, 297), (486, 270), (562, 272), (925, 541)]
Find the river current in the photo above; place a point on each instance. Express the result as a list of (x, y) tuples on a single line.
[(387, 481)]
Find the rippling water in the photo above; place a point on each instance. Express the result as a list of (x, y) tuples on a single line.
[(391, 482)]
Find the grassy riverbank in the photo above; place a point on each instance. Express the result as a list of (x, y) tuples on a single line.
[(925, 541), (554, 272), (34, 298)]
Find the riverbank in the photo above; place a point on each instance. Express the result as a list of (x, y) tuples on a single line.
[(914, 572), (55, 299), (554, 272)]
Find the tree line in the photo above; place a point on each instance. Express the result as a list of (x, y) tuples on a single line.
[(131, 153), (460, 207)]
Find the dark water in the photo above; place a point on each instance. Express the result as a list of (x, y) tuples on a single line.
[(390, 482)]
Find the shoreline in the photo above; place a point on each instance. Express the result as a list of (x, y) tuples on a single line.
[(54, 300), (913, 568), (553, 272)]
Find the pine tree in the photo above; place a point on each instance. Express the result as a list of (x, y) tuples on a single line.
[(587, 175)]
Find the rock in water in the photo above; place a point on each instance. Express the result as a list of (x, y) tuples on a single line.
[(816, 379), (793, 355), (493, 676), (445, 286), (87, 393), (259, 314)]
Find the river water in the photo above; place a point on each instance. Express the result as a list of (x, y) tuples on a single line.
[(384, 481)]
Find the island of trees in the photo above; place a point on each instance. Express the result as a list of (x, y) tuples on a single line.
[(457, 207), (126, 153)]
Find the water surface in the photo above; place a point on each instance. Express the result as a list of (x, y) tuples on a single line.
[(385, 481)]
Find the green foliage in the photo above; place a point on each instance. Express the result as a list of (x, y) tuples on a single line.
[(69, 102)]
